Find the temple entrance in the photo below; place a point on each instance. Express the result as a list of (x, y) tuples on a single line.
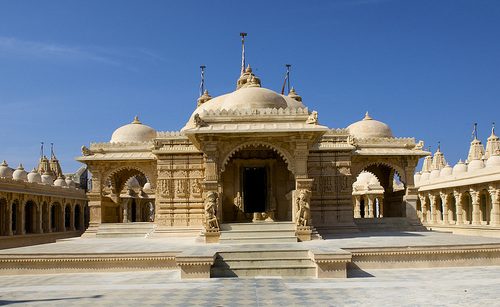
[(254, 189), (257, 187)]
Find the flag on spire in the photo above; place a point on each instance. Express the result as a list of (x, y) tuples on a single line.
[(243, 34)]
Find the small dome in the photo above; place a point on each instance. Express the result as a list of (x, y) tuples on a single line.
[(416, 177), (425, 176), (60, 182), (459, 168), (47, 179), (369, 128), (34, 176), (434, 174), (493, 161), (69, 182), (147, 186), (446, 171), (5, 170), (475, 165), (134, 132), (132, 183), (366, 178), (20, 174)]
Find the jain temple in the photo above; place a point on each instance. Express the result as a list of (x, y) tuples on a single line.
[(255, 166)]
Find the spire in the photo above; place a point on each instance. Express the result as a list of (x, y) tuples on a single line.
[(438, 161), (427, 165), (293, 94), (493, 143), (367, 116), (52, 156), (474, 132), (202, 83), (136, 120), (243, 34)]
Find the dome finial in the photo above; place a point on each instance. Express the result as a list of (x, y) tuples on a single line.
[(136, 120), (493, 129), (367, 116), (439, 146)]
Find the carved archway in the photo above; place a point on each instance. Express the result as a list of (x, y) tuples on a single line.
[(284, 154)]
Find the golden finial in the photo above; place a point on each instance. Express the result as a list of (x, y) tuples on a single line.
[(136, 120), (367, 116)]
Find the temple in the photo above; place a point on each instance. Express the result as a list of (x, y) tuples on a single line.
[(252, 157)]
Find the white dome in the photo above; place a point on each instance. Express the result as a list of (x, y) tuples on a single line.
[(425, 176), (416, 177), (475, 165), (47, 179), (459, 168), (446, 171), (493, 161), (434, 174), (20, 174), (60, 182), (5, 170), (69, 182), (369, 128), (366, 178), (249, 98), (34, 176), (147, 186), (132, 183), (135, 132)]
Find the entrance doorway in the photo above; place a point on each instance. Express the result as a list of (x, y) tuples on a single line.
[(254, 189)]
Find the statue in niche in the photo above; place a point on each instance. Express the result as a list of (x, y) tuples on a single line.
[(211, 222), (195, 187), (303, 216), (313, 118)]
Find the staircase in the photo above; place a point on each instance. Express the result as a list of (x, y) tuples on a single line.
[(260, 232), (248, 263), (387, 224), (125, 230)]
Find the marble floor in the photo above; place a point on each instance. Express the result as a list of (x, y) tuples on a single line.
[(472, 286)]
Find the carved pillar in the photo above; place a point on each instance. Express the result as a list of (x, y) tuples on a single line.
[(365, 207), (301, 154), (495, 207), (476, 211), (433, 199), (410, 201), (8, 213), (20, 229), (39, 218), (72, 218), (357, 207), (370, 206), (458, 208), (301, 208), (124, 207), (444, 201), (381, 207), (423, 209), (62, 217)]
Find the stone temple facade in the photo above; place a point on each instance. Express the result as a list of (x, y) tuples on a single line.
[(250, 156)]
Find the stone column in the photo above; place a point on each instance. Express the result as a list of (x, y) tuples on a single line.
[(303, 221), (365, 207), (8, 221), (495, 207), (20, 230), (458, 208), (381, 206), (476, 211), (357, 207), (423, 209), (370, 206), (39, 218), (124, 205), (444, 201), (433, 199), (72, 218), (62, 220)]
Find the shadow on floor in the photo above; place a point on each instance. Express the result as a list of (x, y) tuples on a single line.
[(7, 302)]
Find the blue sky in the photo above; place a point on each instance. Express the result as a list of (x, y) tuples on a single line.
[(71, 72)]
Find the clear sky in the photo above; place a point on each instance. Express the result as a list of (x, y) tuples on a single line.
[(71, 72)]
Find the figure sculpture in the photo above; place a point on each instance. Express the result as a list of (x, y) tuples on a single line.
[(303, 209), (313, 118), (211, 222)]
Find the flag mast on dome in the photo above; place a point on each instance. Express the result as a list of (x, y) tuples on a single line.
[(474, 132), (202, 83), (41, 150), (243, 34), (287, 79)]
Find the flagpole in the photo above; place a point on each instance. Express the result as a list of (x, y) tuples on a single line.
[(243, 34)]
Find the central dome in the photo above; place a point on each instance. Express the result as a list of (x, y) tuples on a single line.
[(134, 132), (253, 98)]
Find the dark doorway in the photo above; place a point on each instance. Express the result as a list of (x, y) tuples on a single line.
[(133, 211), (254, 189)]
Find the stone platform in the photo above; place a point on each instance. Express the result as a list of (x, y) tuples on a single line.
[(336, 256)]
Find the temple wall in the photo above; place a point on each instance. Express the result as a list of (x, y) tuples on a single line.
[(179, 191), (331, 201)]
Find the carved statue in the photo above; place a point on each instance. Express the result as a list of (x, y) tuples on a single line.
[(198, 121), (303, 209), (313, 118), (211, 222), (86, 151), (419, 145), (238, 201)]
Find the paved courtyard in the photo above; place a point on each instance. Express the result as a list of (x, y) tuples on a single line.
[(473, 286)]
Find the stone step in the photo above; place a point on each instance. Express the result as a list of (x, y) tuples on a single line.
[(115, 230), (244, 240), (264, 263), (121, 235), (263, 254), (258, 226), (256, 234), (303, 272)]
